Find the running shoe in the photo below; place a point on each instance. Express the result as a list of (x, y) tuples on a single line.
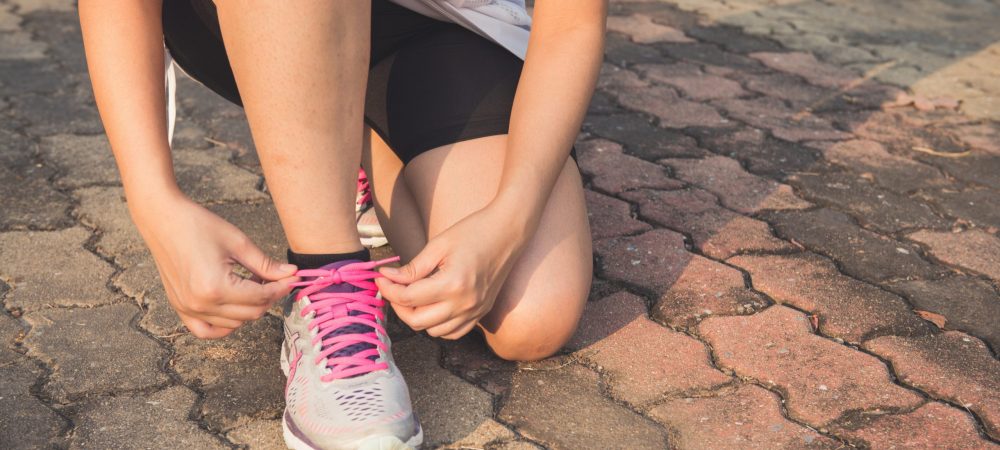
[(364, 211), (343, 390)]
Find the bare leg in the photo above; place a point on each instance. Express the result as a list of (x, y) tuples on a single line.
[(302, 68), (539, 305)]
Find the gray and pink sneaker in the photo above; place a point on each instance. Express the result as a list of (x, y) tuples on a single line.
[(364, 214), (344, 390)]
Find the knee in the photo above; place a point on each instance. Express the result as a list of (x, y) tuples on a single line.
[(531, 339)]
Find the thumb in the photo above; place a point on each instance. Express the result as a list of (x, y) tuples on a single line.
[(259, 264), (419, 267)]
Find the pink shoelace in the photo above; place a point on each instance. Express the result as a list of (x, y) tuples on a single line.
[(364, 189), (336, 310)]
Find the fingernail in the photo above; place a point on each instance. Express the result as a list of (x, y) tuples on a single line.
[(287, 267)]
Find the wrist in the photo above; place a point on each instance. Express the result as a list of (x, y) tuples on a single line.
[(518, 211), (148, 203)]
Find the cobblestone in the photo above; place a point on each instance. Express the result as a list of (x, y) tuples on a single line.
[(643, 139), (575, 414), (610, 217), (858, 252), (67, 276), (806, 66), (716, 232), (26, 422), (848, 309), (605, 317), (761, 154), (614, 172), (784, 122), (259, 435), (975, 250), (84, 348), (239, 376), (979, 207), (645, 361), (821, 380), (933, 425), (694, 84), (743, 417), (643, 30), (893, 172), (671, 110), (951, 366), (969, 304), (737, 190), (123, 422)]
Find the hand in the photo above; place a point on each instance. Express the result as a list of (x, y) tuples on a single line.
[(195, 252), (470, 262)]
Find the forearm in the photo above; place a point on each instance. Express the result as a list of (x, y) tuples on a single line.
[(564, 57), (123, 40)]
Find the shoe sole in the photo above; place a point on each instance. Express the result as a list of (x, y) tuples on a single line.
[(371, 443)]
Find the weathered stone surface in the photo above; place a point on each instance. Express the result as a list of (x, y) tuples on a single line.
[(687, 286), (29, 201), (974, 250), (821, 379), (56, 114), (11, 332), (645, 361), (641, 29), (20, 45), (159, 419), (259, 435), (605, 317), (895, 173), (84, 348), (968, 304), (574, 414), (716, 232), (466, 408), (732, 39), (239, 376), (786, 87), (806, 66), (611, 217), (67, 275), (671, 110), (736, 189), (26, 423), (641, 138), (696, 86), (858, 252), (82, 160), (742, 417), (471, 359), (933, 425), (881, 209), (29, 6), (620, 50), (708, 54), (848, 309), (488, 433), (952, 366), (784, 122), (762, 155), (980, 207), (614, 172)]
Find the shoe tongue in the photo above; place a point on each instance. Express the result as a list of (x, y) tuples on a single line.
[(341, 310)]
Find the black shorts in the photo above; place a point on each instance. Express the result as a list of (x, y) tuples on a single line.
[(430, 83)]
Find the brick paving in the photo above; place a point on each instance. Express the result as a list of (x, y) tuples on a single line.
[(795, 212)]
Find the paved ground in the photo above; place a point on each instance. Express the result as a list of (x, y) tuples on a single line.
[(790, 253)]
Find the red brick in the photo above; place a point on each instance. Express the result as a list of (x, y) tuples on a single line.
[(642, 30), (611, 217), (645, 361), (697, 85), (745, 417), (784, 122), (673, 111), (736, 188), (613, 171), (934, 425), (688, 287), (716, 231), (821, 380), (848, 309), (975, 250), (604, 317), (952, 366), (895, 173), (806, 66)]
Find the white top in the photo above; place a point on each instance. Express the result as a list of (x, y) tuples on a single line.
[(505, 22)]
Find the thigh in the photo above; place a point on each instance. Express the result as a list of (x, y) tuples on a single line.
[(539, 305)]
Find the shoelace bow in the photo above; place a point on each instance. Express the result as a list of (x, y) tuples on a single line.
[(333, 311), (364, 189)]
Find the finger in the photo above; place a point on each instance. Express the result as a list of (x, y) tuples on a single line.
[(419, 267), (462, 331), (204, 330), (250, 256), (448, 327), (422, 292), (426, 317), (242, 291), (244, 313)]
